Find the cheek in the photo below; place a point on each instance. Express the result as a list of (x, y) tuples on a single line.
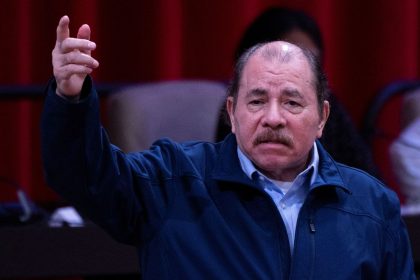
[(307, 129), (244, 129)]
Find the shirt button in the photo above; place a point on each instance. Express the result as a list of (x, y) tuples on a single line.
[(283, 205)]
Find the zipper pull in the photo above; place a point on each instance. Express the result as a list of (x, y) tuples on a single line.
[(311, 225)]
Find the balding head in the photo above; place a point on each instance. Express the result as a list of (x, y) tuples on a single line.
[(279, 51)]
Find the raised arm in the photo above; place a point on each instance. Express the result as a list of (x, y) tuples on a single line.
[(71, 59), (117, 191)]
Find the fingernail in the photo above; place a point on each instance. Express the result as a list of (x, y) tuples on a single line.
[(91, 45)]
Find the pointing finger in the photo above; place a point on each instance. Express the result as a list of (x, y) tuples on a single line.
[(63, 30)]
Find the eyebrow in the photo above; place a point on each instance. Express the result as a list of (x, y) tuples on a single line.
[(256, 92), (291, 92)]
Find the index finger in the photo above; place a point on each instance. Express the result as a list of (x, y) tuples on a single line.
[(63, 30)]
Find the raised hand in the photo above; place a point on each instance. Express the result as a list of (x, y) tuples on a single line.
[(71, 58)]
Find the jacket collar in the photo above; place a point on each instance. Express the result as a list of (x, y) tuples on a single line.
[(229, 169), (328, 172)]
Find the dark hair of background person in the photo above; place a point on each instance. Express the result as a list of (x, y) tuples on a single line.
[(275, 24), (340, 137)]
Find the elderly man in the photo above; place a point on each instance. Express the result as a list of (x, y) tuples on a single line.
[(266, 203)]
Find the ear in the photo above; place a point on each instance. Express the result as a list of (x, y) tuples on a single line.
[(230, 109), (324, 117)]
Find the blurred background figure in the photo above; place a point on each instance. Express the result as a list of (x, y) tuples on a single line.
[(340, 138), (405, 150)]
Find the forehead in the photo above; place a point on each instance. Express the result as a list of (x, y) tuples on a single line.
[(285, 64)]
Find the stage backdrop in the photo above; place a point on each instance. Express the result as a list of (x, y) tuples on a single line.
[(368, 45)]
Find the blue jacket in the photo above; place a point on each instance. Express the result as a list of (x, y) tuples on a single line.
[(194, 214)]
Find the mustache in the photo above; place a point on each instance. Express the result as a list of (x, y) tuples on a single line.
[(273, 136)]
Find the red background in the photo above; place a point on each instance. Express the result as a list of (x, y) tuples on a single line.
[(368, 45)]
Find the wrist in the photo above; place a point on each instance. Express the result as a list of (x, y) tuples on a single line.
[(70, 98)]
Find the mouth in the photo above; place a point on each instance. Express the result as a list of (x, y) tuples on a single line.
[(273, 144)]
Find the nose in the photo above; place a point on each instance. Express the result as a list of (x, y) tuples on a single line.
[(273, 116)]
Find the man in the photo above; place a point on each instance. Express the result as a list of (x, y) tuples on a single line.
[(266, 203)]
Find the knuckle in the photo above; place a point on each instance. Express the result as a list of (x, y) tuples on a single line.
[(63, 72), (64, 44), (71, 57), (68, 58)]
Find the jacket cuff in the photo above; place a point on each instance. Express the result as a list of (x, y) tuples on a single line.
[(86, 92)]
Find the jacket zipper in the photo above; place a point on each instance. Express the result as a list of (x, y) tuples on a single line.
[(311, 224)]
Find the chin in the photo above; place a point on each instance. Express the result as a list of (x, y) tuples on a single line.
[(272, 163)]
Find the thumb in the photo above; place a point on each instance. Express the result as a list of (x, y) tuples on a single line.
[(84, 32), (63, 30)]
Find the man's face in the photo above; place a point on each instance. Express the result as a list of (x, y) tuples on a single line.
[(276, 119)]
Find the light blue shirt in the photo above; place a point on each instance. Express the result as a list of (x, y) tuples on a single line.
[(289, 203)]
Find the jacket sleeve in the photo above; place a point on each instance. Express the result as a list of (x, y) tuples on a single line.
[(404, 255), (80, 164), (399, 261)]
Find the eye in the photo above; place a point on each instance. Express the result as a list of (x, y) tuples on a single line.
[(293, 103), (255, 105), (256, 102), (293, 106)]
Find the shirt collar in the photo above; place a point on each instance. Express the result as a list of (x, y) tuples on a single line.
[(249, 168)]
